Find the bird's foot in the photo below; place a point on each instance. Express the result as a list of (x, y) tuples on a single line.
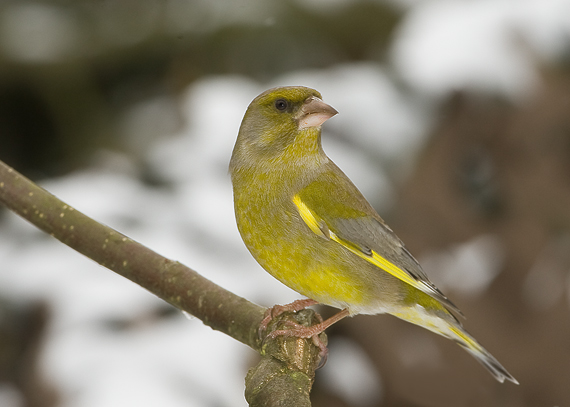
[(277, 310), (313, 332), (305, 332)]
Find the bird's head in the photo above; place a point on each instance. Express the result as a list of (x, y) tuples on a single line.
[(274, 120)]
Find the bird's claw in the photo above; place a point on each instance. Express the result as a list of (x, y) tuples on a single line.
[(277, 310)]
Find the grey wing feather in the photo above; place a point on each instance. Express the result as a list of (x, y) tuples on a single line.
[(370, 234)]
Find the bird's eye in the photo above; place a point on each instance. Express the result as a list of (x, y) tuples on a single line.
[(281, 105)]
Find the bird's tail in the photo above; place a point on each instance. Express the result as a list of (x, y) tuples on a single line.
[(444, 323), (467, 342)]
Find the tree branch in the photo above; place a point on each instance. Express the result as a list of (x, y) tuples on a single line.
[(284, 376)]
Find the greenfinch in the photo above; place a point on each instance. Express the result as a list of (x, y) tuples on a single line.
[(306, 224)]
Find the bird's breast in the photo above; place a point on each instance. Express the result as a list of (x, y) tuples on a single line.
[(282, 243)]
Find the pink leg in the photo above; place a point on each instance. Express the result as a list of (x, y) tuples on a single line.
[(300, 331), (313, 332)]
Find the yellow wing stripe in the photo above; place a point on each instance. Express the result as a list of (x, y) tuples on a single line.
[(313, 221), (380, 262), (470, 342), (308, 217)]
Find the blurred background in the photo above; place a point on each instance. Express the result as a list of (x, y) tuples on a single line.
[(454, 122)]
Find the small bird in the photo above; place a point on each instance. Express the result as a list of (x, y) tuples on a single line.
[(306, 224)]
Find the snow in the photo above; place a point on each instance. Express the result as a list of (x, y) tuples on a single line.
[(489, 45), (350, 374), (467, 268)]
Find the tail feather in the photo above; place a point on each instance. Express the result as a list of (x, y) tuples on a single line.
[(469, 343), (439, 320)]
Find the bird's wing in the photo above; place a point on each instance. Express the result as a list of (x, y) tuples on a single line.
[(367, 237)]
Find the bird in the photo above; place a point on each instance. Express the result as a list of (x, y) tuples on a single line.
[(308, 225)]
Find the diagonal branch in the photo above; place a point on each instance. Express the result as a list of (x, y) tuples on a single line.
[(284, 358)]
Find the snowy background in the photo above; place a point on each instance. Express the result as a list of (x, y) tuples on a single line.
[(163, 181)]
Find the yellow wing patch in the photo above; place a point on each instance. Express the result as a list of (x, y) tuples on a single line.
[(317, 225), (380, 262), (308, 217)]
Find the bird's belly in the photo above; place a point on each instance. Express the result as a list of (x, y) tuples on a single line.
[(311, 265)]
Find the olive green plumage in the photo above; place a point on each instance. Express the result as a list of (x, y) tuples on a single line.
[(307, 224)]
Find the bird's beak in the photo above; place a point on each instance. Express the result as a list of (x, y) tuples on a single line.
[(314, 112)]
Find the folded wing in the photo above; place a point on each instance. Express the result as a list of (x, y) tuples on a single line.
[(368, 237)]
